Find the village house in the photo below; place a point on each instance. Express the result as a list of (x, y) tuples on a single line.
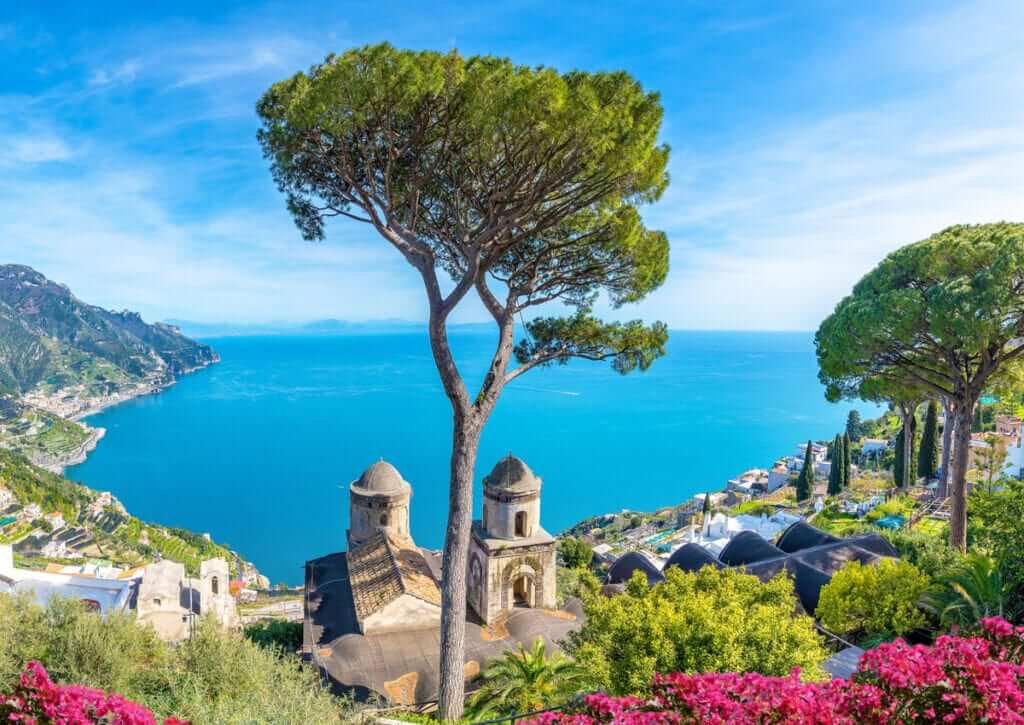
[(30, 513), (750, 482), (6, 498), (778, 477), (159, 595), (873, 446), (714, 534), (818, 452)]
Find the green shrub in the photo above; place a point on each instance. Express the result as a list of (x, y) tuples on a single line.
[(874, 600), (276, 634), (708, 621), (216, 677), (575, 553), (930, 553)]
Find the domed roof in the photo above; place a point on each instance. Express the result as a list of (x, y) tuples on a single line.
[(748, 547), (512, 475), (691, 557), (625, 565), (381, 477)]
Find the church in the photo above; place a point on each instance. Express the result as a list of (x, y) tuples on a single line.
[(373, 612)]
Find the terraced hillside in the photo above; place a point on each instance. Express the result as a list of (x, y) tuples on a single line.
[(51, 520)]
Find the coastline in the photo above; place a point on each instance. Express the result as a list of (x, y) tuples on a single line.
[(93, 406)]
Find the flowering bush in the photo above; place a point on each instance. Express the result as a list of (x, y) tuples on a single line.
[(957, 680), (37, 700)]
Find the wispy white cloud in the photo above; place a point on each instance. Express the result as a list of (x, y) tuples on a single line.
[(770, 232), (30, 148), (124, 72), (164, 205)]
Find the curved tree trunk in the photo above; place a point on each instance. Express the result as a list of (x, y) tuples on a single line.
[(958, 479), (451, 688), (947, 447)]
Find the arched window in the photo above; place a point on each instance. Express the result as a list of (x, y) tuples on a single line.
[(485, 517), (214, 585), (520, 523), (383, 519)]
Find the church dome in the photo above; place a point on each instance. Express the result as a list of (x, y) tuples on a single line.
[(512, 475), (381, 478)]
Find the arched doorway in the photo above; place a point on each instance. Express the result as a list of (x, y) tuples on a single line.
[(522, 591)]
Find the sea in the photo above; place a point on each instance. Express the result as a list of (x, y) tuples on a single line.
[(259, 450)]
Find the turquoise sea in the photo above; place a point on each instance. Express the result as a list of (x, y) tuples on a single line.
[(259, 449)]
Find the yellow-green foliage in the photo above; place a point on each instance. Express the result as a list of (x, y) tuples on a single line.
[(709, 621), (877, 599), (217, 677), (34, 485)]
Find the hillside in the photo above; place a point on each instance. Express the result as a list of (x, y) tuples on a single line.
[(51, 341), (51, 520), (62, 359)]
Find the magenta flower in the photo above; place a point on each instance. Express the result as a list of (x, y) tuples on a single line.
[(957, 680), (38, 701)]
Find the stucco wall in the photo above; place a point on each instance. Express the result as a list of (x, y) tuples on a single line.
[(501, 515), (493, 594), (406, 612)]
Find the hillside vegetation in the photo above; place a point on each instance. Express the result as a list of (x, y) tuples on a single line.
[(215, 677), (97, 525), (51, 339)]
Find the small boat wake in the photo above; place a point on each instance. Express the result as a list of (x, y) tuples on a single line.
[(570, 393)]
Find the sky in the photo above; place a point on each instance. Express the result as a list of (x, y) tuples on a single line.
[(808, 140)]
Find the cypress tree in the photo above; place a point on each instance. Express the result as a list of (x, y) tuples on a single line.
[(854, 429), (928, 457), (835, 471), (897, 464), (847, 468), (805, 481), (706, 508)]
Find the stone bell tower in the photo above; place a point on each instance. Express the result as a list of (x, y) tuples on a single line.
[(511, 557), (378, 501)]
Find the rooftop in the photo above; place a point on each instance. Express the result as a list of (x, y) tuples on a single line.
[(384, 568)]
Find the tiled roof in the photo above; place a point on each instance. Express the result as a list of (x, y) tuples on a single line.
[(384, 568)]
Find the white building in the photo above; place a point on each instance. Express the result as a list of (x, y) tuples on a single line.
[(6, 498), (720, 528), (750, 482), (30, 512), (778, 477), (103, 595), (873, 446), (818, 451)]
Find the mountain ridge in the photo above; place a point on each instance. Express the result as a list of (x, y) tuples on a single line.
[(62, 359)]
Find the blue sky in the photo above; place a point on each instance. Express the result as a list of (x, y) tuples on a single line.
[(808, 139)]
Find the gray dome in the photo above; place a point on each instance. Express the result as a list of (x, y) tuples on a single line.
[(381, 477), (512, 475)]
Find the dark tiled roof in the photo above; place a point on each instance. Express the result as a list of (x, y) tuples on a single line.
[(384, 568)]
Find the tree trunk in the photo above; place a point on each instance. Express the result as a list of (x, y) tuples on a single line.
[(960, 460), (947, 447), (469, 420), (451, 688)]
